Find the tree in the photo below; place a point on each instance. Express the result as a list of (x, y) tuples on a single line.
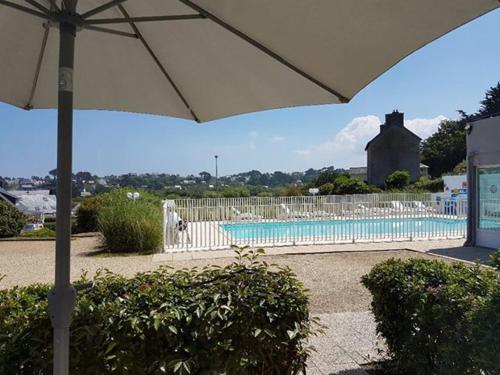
[(3, 183), (443, 150), (326, 189), (205, 176), (326, 177), (491, 103), (83, 176), (460, 168), (398, 180)]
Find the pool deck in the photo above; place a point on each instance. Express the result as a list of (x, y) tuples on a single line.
[(452, 249)]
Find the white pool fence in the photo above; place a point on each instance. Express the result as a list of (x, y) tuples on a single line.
[(218, 223)]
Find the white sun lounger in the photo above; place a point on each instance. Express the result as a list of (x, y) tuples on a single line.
[(237, 215), (294, 214)]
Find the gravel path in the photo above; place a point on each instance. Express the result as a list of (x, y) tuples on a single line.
[(332, 278)]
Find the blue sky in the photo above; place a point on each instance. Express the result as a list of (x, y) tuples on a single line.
[(451, 73)]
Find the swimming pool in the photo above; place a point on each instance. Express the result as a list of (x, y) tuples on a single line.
[(347, 229)]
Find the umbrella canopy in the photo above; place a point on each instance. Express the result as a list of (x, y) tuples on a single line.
[(220, 57), (199, 60)]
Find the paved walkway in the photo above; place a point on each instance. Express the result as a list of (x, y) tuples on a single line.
[(429, 246), (349, 340)]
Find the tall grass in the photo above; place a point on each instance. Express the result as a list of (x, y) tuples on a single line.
[(129, 226)]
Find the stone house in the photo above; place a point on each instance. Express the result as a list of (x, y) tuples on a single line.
[(395, 148)]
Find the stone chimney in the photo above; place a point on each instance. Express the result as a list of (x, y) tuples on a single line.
[(395, 118)]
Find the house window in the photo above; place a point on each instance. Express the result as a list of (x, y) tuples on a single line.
[(489, 198)]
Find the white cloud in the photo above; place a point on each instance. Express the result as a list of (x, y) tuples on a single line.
[(347, 148), (304, 152), (252, 141), (277, 139), (424, 127)]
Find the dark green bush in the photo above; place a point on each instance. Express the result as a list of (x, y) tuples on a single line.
[(426, 184), (87, 213), (243, 319), (348, 185), (326, 189), (434, 316), (11, 220), (130, 226), (51, 226), (398, 180)]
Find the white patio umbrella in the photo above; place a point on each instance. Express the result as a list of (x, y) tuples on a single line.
[(199, 60)]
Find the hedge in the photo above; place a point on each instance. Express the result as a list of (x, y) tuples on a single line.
[(11, 220), (243, 319), (437, 318)]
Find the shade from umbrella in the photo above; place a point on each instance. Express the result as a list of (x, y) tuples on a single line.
[(199, 60)]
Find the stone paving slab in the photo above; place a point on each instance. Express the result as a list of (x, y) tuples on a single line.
[(349, 340)]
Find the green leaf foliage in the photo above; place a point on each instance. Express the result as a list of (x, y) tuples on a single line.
[(131, 226), (11, 220), (436, 318), (244, 319), (398, 180), (87, 213)]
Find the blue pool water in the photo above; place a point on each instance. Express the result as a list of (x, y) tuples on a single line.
[(346, 229)]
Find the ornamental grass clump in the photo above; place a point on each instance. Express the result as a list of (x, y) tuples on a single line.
[(247, 318), (130, 225), (437, 318)]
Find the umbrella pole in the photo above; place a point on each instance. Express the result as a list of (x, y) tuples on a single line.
[(62, 297)]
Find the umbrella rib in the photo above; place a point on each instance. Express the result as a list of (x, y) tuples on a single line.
[(263, 48), (110, 31), (37, 5), (29, 104), (158, 63), (102, 8), (179, 17), (24, 9), (54, 4)]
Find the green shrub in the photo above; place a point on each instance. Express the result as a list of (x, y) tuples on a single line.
[(243, 319), (326, 189), (346, 185), (212, 194), (130, 226), (398, 180), (11, 220), (50, 225), (426, 184), (265, 194), (235, 192), (42, 233), (434, 316), (87, 213)]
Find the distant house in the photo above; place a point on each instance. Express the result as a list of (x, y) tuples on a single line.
[(37, 204), (424, 170), (395, 148), (359, 173), (8, 197)]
